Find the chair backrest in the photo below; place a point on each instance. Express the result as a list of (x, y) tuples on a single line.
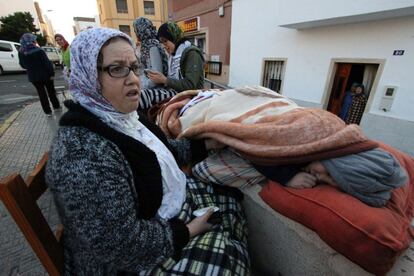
[(20, 199)]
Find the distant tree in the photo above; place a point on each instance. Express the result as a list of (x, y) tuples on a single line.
[(41, 39), (14, 25)]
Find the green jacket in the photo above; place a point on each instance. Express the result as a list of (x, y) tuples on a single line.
[(191, 69), (66, 57)]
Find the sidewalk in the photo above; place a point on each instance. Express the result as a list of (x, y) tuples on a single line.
[(24, 137)]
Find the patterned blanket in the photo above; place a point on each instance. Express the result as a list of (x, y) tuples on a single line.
[(264, 127)]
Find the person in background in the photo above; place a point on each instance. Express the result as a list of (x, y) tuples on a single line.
[(152, 54), (346, 102), (186, 61), (124, 202), (39, 71), (356, 110), (65, 49), (153, 58)]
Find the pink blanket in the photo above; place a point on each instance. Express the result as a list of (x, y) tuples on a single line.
[(274, 138)]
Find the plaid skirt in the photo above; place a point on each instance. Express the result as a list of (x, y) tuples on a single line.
[(221, 251), (152, 96)]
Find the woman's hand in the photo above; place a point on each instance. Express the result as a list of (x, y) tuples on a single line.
[(200, 225), (302, 180), (157, 77)]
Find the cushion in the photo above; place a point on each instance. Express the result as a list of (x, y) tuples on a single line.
[(370, 237), (227, 168)]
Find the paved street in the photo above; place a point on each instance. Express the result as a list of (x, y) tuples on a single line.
[(16, 91), (21, 147)]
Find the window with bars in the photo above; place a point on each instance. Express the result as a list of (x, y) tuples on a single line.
[(273, 74), (125, 29), (149, 7), (121, 6)]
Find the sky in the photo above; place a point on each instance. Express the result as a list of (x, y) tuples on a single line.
[(62, 12)]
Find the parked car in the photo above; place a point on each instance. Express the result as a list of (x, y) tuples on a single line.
[(53, 54), (9, 56)]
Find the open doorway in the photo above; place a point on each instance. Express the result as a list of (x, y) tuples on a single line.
[(346, 74)]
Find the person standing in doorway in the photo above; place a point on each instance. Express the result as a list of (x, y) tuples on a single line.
[(39, 70), (346, 102), (359, 100)]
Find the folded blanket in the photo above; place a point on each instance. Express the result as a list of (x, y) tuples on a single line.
[(265, 127)]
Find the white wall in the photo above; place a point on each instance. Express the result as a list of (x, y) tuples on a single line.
[(309, 54), (294, 11)]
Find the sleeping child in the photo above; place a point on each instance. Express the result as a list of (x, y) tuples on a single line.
[(369, 176)]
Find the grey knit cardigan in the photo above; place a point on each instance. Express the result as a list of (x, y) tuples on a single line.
[(95, 186)]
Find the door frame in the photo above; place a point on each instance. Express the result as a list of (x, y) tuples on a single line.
[(331, 76)]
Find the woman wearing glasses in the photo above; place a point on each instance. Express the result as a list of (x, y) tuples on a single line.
[(124, 203)]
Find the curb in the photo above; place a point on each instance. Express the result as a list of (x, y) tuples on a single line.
[(8, 122)]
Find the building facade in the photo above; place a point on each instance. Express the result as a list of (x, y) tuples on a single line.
[(207, 24), (83, 23), (46, 27), (120, 14), (314, 53)]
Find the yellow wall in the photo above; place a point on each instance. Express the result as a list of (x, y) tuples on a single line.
[(112, 19)]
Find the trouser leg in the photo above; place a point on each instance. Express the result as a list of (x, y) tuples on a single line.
[(50, 86), (41, 91)]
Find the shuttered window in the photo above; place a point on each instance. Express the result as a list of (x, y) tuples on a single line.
[(149, 7), (121, 6), (273, 74)]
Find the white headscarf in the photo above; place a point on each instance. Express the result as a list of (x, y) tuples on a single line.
[(86, 90)]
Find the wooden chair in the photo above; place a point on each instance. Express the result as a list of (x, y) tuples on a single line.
[(20, 198)]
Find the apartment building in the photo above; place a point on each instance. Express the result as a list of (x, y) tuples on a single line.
[(207, 24), (83, 23), (120, 14), (46, 27), (312, 51)]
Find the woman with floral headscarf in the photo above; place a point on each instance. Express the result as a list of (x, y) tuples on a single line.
[(39, 71), (153, 55), (185, 64), (125, 204), (154, 58)]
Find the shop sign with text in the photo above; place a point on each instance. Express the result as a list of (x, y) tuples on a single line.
[(190, 25)]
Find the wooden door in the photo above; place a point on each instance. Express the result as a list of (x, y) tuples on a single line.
[(338, 88)]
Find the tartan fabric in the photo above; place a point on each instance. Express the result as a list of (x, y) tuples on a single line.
[(151, 96), (356, 110), (221, 251), (224, 167)]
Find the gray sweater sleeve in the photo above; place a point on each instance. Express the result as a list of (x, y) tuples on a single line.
[(92, 185)]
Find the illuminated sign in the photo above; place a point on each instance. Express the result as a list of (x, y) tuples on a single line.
[(189, 25)]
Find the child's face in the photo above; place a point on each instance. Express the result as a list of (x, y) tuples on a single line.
[(318, 170), (358, 90)]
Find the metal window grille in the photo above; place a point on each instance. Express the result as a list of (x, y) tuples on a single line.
[(272, 74), (121, 6), (214, 68), (149, 7)]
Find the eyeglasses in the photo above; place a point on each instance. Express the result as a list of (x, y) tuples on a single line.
[(117, 71)]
